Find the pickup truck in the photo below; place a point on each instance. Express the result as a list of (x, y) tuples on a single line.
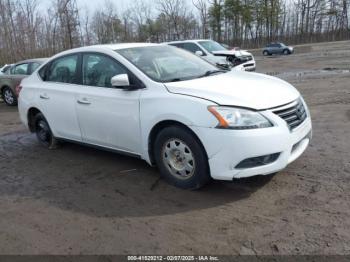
[(13, 77)]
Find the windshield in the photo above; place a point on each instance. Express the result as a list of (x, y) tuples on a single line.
[(212, 46), (167, 63), (5, 69)]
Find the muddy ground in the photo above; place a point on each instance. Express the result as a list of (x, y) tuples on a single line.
[(77, 200)]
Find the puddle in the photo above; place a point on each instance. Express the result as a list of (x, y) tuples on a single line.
[(328, 71)]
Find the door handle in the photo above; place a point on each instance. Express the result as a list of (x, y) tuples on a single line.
[(44, 96), (84, 101)]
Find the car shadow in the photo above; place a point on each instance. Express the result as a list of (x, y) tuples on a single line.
[(103, 184)]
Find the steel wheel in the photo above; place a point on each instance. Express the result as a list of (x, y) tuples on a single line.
[(179, 159)]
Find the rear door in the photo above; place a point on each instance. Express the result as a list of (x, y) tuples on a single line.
[(108, 116), (57, 96)]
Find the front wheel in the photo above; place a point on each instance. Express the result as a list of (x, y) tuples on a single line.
[(43, 132), (286, 52), (9, 96), (181, 158)]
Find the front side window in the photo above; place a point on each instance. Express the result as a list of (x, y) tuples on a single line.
[(180, 45), (165, 63), (35, 65), (98, 70), (212, 46), (63, 70), (21, 69), (193, 48)]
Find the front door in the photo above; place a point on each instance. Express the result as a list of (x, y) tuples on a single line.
[(108, 116)]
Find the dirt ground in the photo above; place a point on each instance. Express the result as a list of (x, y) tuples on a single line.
[(77, 200)]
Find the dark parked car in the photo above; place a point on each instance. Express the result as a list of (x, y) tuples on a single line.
[(13, 77), (277, 48)]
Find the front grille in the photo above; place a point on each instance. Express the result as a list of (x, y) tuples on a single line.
[(294, 114)]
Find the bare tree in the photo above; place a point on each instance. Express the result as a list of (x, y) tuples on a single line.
[(202, 7)]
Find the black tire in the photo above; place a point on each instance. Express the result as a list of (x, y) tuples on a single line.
[(200, 174), (9, 96), (266, 53), (286, 52), (43, 132)]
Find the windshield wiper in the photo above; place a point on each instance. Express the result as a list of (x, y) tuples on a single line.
[(208, 73), (174, 80), (213, 72)]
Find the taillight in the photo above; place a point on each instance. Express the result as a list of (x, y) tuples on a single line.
[(18, 90)]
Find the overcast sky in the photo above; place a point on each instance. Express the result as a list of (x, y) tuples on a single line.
[(95, 4)]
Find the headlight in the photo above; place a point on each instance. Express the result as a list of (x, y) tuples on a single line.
[(237, 118)]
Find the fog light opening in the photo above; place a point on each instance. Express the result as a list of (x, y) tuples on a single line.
[(258, 161)]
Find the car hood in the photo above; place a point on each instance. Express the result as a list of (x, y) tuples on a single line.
[(232, 52), (215, 60), (236, 88)]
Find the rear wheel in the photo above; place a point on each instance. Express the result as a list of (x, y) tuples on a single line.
[(9, 96), (43, 132), (181, 158), (266, 53)]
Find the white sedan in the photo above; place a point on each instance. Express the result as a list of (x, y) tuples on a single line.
[(218, 55), (170, 108)]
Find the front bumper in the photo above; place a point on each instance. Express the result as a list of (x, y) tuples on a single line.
[(227, 148)]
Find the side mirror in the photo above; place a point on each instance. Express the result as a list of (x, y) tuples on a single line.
[(120, 81), (199, 53)]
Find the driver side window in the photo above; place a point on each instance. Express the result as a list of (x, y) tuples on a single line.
[(193, 48), (98, 70)]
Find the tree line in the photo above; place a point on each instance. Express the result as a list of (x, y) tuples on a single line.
[(30, 28)]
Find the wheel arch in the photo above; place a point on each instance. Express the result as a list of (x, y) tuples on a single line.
[(159, 127), (3, 87), (32, 112)]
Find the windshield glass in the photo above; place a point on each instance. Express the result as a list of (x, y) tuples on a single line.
[(167, 63), (212, 46), (6, 69)]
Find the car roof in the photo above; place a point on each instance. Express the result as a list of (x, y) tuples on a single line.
[(188, 41), (105, 47), (39, 60), (111, 46)]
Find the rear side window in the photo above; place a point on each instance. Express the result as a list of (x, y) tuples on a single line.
[(21, 69), (98, 70), (63, 70)]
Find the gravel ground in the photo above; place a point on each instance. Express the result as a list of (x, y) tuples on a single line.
[(77, 200)]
